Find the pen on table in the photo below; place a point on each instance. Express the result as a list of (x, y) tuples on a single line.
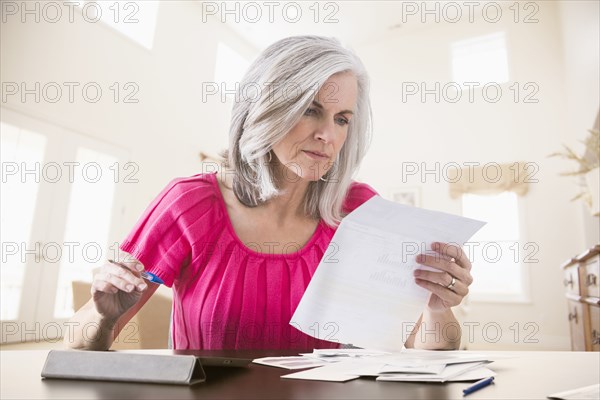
[(149, 276), (478, 385)]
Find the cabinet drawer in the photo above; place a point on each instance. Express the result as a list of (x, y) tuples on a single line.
[(577, 325), (591, 277), (571, 279), (595, 328)]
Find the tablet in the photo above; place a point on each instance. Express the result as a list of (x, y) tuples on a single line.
[(224, 361)]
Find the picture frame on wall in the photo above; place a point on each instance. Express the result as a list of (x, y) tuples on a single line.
[(409, 196)]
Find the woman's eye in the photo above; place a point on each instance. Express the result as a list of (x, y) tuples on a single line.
[(342, 121), (310, 111)]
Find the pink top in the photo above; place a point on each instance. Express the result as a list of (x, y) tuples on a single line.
[(225, 294)]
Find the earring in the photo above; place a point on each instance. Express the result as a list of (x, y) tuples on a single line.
[(327, 180), (333, 167), (270, 156)]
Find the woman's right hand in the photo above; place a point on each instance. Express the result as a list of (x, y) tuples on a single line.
[(117, 288)]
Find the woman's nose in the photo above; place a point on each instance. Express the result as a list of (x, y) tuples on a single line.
[(325, 131)]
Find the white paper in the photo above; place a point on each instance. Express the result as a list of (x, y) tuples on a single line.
[(363, 291), (417, 361), (290, 362), (348, 352), (338, 372), (353, 369), (412, 369), (450, 372), (418, 357), (336, 355), (419, 365), (329, 376), (474, 375), (591, 392)]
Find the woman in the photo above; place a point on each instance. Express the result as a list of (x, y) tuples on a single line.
[(239, 247)]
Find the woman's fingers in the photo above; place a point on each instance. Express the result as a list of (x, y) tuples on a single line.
[(114, 277), (442, 279), (446, 265), (125, 274), (99, 285), (449, 298), (109, 282), (450, 262), (453, 251), (129, 261)]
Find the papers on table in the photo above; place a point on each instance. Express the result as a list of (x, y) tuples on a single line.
[(591, 392), (335, 372), (407, 366), (290, 362), (363, 291), (317, 358), (335, 355), (411, 369), (448, 373)]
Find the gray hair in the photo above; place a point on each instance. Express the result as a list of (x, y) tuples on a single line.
[(264, 113)]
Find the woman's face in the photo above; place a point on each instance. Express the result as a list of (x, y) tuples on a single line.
[(313, 144)]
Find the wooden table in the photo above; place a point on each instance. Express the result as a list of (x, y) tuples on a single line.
[(529, 375)]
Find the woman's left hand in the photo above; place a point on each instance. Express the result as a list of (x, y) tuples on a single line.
[(454, 266)]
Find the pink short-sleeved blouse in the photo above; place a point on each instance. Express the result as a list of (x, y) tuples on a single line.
[(227, 295)]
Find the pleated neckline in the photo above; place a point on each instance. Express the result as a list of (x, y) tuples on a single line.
[(229, 224)]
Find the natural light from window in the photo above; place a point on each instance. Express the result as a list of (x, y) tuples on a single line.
[(482, 60), (496, 250), (230, 68), (134, 19), (87, 226), (19, 200)]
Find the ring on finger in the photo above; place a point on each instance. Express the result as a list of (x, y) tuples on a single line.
[(451, 284)]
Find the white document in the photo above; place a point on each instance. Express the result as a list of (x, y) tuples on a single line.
[(337, 355), (591, 392), (329, 376), (363, 291), (290, 362), (353, 369), (412, 369), (473, 375), (413, 361), (418, 357), (337, 372), (348, 352), (449, 373)]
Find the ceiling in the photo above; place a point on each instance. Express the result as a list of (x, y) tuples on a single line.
[(355, 23)]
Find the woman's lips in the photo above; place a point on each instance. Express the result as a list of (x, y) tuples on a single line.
[(315, 156)]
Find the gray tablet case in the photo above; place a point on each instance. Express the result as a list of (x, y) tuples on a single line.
[(123, 367)]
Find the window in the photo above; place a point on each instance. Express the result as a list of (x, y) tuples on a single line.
[(497, 254), (230, 68), (134, 19), (87, 224), (19, 198), (61, 204), (481, 60)]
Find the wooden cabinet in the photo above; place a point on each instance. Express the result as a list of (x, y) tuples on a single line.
[(581, 281)]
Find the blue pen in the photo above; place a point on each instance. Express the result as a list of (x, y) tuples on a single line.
[(478, 385), (149, 276)]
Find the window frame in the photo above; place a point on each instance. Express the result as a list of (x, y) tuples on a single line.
[(35, 319), (509, 73), (525, 274)]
